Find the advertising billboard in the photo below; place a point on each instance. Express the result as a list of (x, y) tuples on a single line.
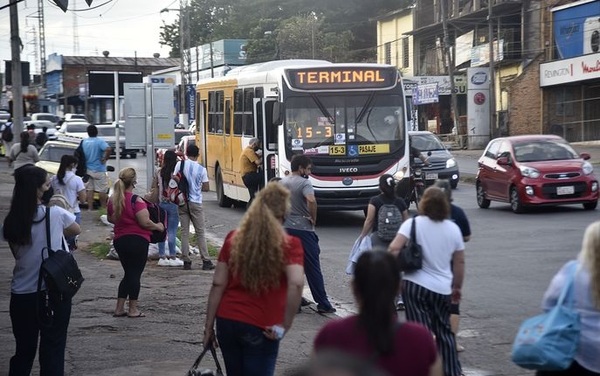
[(577, 28)]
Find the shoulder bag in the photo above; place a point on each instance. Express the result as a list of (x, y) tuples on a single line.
[(410, 257), (194, 371), (548, 342), (59, 270)]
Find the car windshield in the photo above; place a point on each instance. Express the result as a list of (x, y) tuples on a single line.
[(426, 142), (543, 150), (53, 153), (77, 127)]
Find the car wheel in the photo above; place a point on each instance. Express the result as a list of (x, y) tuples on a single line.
[(483, 202), (590, 205), (223, 201), (515, 201)]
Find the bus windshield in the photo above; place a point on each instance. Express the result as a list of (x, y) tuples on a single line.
[(336, 124)]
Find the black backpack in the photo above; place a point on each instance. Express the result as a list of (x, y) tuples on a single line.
[(7, 133), (389, 219), (157, 215)]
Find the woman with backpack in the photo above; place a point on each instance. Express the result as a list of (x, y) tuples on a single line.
[(25, 231), (69, 185), (132, 230), (385, 214), (159, 196)]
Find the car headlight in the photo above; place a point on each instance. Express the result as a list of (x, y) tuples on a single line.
[(587, 168), (399, 175), (529, 172), (450, 163)]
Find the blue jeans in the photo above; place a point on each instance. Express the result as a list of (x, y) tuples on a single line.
[(312, 266), (246, 350), (172, 224)]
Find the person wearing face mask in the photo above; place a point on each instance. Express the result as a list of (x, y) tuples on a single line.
[(301, 223), (250, 161)]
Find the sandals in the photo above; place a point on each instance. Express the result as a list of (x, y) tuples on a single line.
[(140, 314), (122, 314)]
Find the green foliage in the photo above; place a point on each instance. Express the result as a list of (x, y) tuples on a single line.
[(100, 250), (334, 30)]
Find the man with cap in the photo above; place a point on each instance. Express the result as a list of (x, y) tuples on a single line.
[(250, 161)]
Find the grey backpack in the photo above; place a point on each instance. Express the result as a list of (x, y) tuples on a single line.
[(389, 220)]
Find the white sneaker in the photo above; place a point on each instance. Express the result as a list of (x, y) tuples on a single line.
[(175, 262), (163, 262)]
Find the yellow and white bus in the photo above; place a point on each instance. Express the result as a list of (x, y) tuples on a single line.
[(349, 118)]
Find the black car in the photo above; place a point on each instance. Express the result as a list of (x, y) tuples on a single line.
[(441, 163)]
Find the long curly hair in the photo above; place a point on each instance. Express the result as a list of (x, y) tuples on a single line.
[(590, 258), (257, 250), (127, 178)]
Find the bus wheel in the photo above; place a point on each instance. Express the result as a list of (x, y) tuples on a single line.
[(224, 201)]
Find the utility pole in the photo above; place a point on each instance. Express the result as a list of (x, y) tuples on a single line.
[(42, 31), (492, 73), (183, 82), (17, 83), (450, 61)]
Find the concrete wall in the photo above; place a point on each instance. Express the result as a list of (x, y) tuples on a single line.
[(391, 30)]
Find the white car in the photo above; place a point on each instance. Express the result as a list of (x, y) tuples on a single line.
[(70, 117), (74, 128), (54, 119)]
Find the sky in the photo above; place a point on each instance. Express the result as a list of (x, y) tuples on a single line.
[(122, 27)]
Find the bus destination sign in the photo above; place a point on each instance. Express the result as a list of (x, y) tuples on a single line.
[(341, 78)]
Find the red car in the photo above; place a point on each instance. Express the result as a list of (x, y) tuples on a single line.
[(179, 149), (535, 170)]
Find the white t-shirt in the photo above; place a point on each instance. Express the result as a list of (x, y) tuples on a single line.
[(28, 258), (196, 174), (439, 241), (73, 185)]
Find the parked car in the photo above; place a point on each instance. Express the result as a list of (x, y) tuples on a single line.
[(4, 116), (535, 170), (54, 119), (107, 133), (75, 128), (179, 149), (442, 164), (70, 117)]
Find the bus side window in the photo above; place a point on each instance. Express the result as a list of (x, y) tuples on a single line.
[(248, 117), (212, 109), (271, 136), (238, 111), (228, 116), (220, 112)]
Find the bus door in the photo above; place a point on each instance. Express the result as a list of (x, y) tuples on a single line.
[(267, 133)]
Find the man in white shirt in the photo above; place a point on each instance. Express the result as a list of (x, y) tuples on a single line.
[(197, 178)]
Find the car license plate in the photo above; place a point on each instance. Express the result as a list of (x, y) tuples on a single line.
[(431, 176), (568, 190)]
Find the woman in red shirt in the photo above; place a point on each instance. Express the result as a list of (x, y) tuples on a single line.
[(375, 334), (132, 237), (257, 286)]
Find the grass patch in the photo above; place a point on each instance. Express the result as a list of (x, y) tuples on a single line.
[(100, 250), (213, 250)]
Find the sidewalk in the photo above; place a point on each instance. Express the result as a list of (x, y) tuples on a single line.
[(165, 342)]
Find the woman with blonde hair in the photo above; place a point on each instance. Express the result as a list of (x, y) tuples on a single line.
[(132, 236), (586, 300), (257, 286)]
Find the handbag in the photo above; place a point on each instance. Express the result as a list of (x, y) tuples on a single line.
[(59, 270), (194, 371), (410, 257), (548, 342)]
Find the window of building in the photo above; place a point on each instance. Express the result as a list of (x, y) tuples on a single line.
[(388, 53), (405, 52)]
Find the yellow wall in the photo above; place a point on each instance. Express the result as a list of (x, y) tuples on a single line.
[(391, 30)]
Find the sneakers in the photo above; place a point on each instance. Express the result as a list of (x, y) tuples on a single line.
[(187, 265), (175, 262), (163, 262), (326, 310), (207, 265)]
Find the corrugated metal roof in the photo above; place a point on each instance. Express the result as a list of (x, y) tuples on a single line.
[(120, 61)]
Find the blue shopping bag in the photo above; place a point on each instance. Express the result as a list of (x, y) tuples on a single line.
[(548, 342)]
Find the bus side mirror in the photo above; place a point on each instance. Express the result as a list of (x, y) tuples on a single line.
[(277, 113)]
